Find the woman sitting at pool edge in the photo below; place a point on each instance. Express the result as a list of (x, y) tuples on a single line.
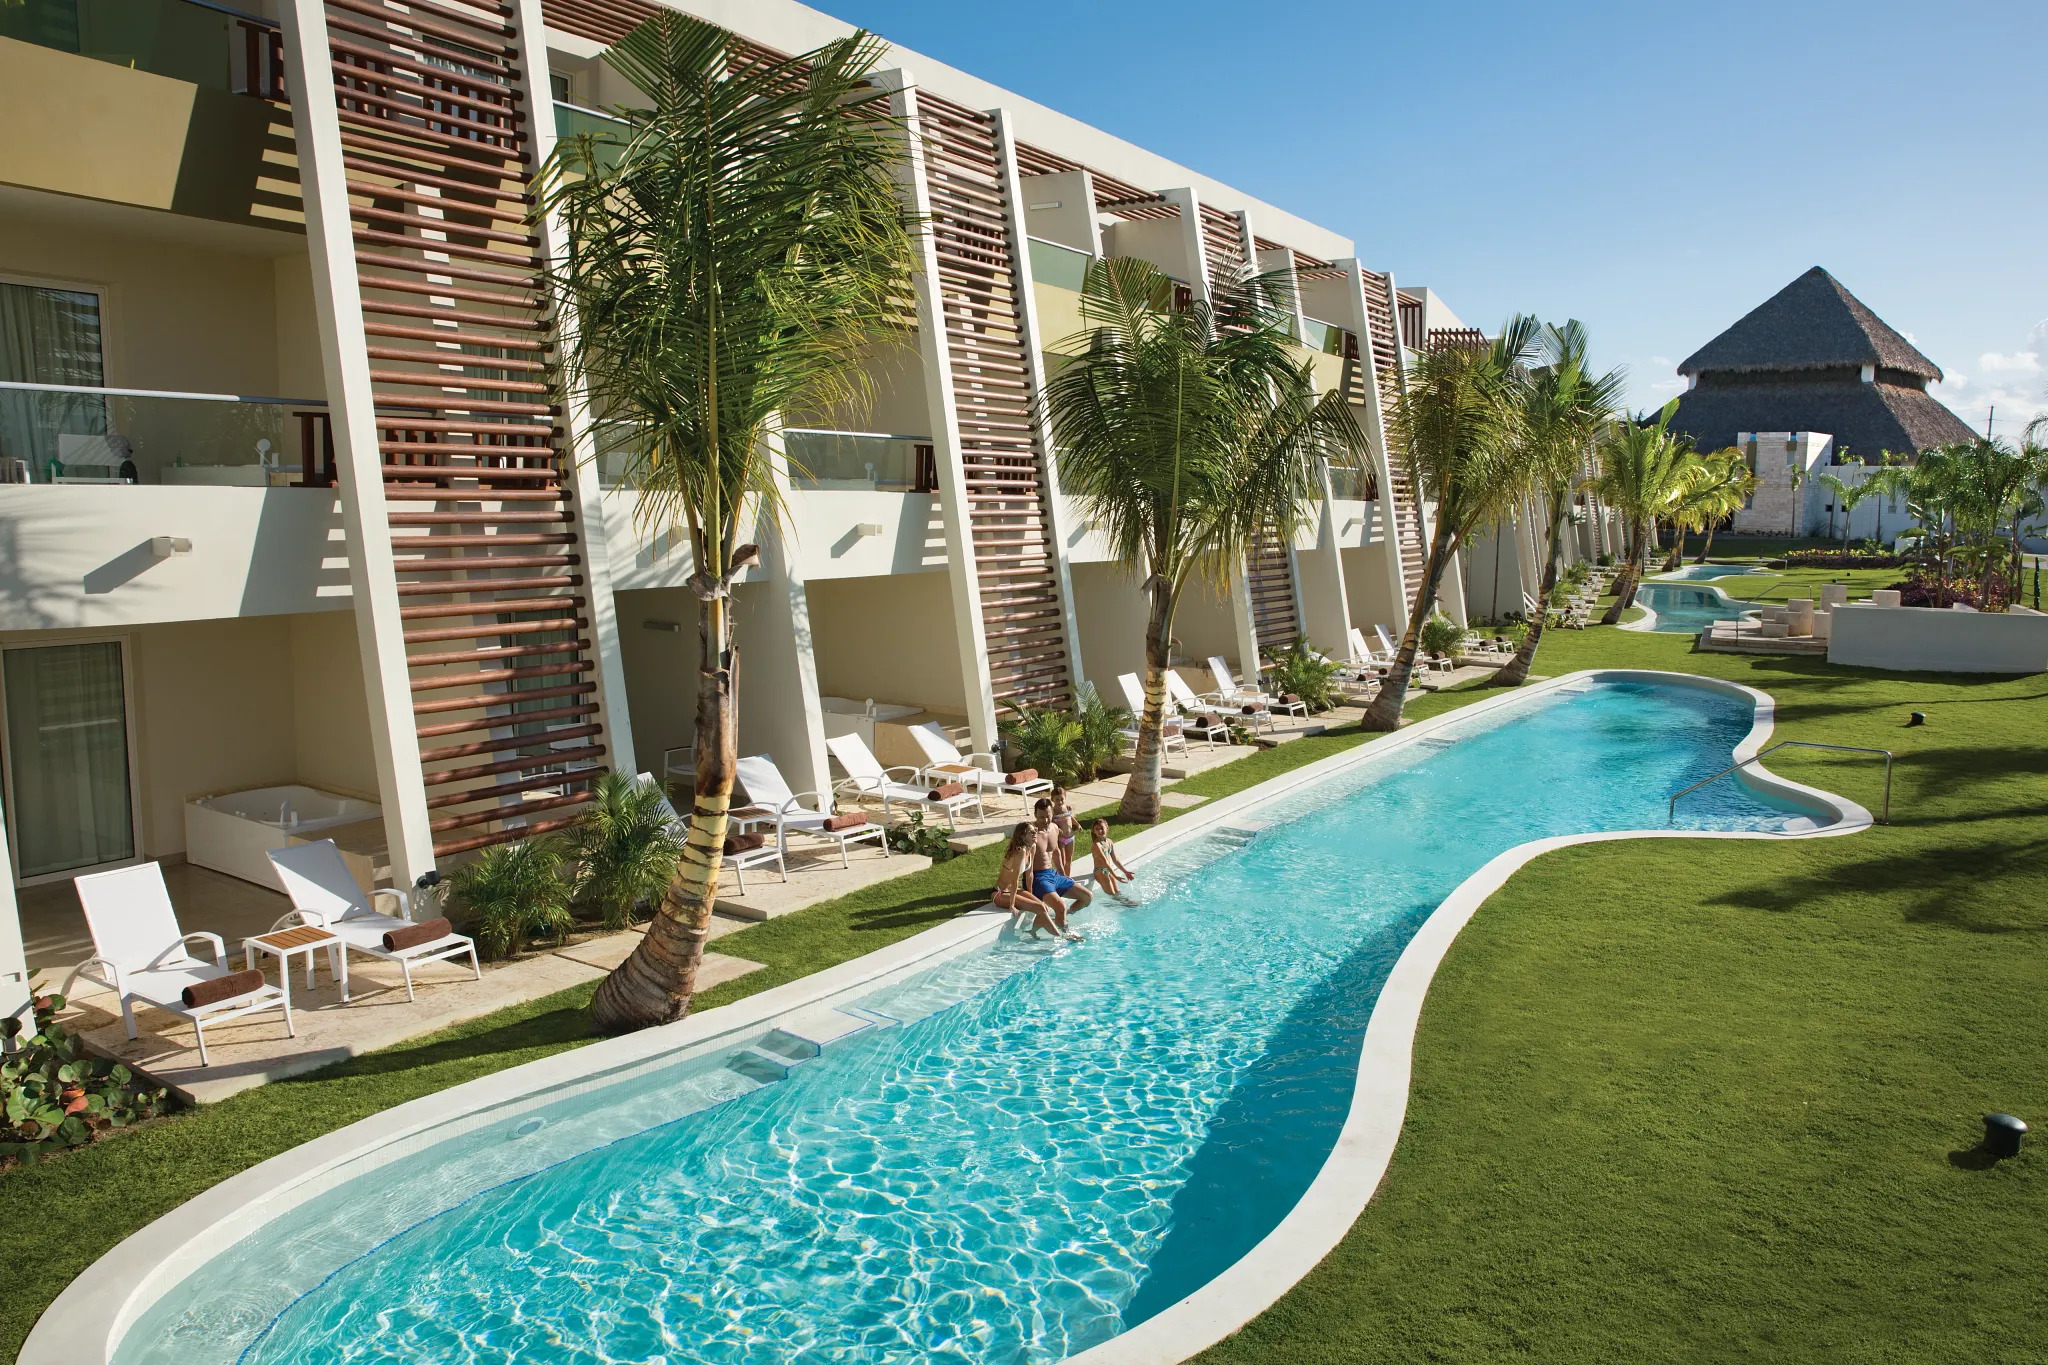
[(1010, 894)]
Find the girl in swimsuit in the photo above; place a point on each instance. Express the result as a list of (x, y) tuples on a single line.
[(1110, 872), (1063, 820), (1010, 893)]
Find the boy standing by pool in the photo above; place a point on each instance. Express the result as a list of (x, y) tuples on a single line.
[(1048, 883)]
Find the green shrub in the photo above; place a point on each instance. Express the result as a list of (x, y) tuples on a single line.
[(514, 892), (625, 849), (1044, 738), (1100, 740), (1440, 633), (54, 1094), (1306, 674), (915, 836)]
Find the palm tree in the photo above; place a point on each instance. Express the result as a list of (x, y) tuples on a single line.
[(1713, 488), (1460, 424), (1643, 471), (1182, 434), (1889, 479), (731, 250), (1563, 406), (1737, 483)]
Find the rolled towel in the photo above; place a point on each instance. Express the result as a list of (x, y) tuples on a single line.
[(851, 820), (1290, 698), (1022, 775), (943, 791), (413, 935), (1209, 722), (745, 843), (221, 988), (1253, 709)]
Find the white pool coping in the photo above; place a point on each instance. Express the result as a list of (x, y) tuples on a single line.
[(1648, 620), (86, 1322)]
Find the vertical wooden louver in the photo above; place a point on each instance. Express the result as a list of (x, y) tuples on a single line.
[(1386, 356), (439, 151), (1008, 520)]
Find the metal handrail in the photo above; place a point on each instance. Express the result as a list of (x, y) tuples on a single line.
[(1884, 819), (104, 392)]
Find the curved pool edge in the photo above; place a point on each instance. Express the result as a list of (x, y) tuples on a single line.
[(86, 1322), (1338, 1196)]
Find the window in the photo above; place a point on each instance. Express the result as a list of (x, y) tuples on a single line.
[(48, 336), (67, 756)]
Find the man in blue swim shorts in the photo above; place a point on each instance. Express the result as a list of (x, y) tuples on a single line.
[(1048, 883)]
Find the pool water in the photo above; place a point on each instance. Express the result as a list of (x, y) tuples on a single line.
[(1020, 1153), (1686, 610), (1694, 573)]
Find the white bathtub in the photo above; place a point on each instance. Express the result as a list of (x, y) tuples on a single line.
[(232, 832)]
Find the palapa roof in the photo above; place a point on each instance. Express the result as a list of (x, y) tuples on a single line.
[(1812, 323), (1864, 419)]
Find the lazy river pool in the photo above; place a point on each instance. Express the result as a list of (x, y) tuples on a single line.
[(1682, 609), (1008, 1157), (1694, 573)]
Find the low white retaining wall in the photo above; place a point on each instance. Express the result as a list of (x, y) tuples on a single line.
[(1924, 640)]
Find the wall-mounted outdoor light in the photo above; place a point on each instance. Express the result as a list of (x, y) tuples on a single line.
[(672, 627), (163, 547), (867, 528)]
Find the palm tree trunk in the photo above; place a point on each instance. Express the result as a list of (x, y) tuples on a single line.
[(1515, 671), (1677, 555), (655, 983), (1385, 711), (1631, 573), (1707, 548), (1141, 794)]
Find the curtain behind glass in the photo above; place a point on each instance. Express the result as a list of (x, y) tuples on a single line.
[(48, 336), (67, 751)]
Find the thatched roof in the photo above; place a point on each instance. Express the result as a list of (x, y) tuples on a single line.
[(1864, 419), (1812, 323)]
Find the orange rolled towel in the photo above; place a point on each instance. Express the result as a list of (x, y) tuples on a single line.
[(853, 820), (745, 843), (940, 793), (413, 935), (1022, 775), (221, 988)]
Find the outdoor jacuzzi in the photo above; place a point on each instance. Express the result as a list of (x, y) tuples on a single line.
[(232, 832)]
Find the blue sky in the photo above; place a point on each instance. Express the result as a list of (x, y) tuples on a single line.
[(1653, 169)]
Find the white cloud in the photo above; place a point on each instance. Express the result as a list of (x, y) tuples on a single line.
[(2019, 362), (1661, 362)]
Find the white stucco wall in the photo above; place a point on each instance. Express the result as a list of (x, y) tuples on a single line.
[(1924, 640)]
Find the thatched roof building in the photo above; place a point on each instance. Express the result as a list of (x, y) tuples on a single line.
[(1813, 358)]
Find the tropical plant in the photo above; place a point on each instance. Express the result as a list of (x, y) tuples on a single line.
[(625, 849), (1184, 433), (1889, 479), (1713, 487), (1102, 731), (915, 836), (1306, 674), (1047, 738), (54, 1094), (513, 893), (1459, 425), (733, 247), (1440, 635), (1563, 405), (1643, 471)]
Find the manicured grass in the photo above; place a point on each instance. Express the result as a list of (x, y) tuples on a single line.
[(1683, 1101), (70, 1210)]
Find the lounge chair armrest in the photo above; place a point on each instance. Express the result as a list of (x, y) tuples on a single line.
[(860, 785), (220, 949), (990, 759), (795, 805), (889, 774), (404, 901), (296, 916)]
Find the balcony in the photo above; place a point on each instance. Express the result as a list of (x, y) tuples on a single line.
[(860, 461), (207, 45), (1059, 266), (1349, 484), (76, 434), (1324, 338)]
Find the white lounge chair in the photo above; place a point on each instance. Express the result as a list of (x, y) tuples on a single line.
[(324, 893), (1227, 692), (866, 776), (1170, 735), (739, 860), (768, 791), (1181, 695), (138, 952), (945, 763)]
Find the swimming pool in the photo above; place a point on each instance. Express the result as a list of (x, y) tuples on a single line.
[(1682, 609), (1694, 573), (1010, 1156)]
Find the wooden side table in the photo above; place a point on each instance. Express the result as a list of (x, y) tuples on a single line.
[(284, 944)]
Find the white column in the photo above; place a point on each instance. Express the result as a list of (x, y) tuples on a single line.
[(592, 543), (1058, 526), (15, 1002), (344, 358), (936, 353), (778, 665)]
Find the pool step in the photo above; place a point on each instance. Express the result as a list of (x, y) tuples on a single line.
[(769, 1058), (1237, 835)]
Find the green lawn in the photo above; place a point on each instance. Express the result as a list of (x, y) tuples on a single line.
[(1715, 1101), (1672, 1100)]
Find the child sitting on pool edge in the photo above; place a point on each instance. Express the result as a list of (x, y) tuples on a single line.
[(1110, 872)]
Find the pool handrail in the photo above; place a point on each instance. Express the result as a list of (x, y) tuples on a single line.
[(1883, 819)]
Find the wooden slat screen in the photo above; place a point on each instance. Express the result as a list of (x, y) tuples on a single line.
[(1386, 348), (1009, 523), (439, 153)]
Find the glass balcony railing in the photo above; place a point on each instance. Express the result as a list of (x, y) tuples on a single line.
[(1349, 484), (859, 461), (63, 433), (1326, 337), (1058, 265), (188, 40)]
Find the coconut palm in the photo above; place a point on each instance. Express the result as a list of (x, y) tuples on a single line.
[(1460, 426), (732, 248), (1182, 434), (1563, 406), (1644, 467), (1739, 485), (1714, 487)]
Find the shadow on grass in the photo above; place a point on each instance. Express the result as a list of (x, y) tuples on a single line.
[(564, 1022), (1940, 885)]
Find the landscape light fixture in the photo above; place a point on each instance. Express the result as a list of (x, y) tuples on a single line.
[(1917, 718), (2002, 1134)]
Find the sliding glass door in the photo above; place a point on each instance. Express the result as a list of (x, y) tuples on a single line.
[(68, 777)]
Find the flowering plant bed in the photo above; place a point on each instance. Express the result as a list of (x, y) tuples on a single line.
[(1839, 559)]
